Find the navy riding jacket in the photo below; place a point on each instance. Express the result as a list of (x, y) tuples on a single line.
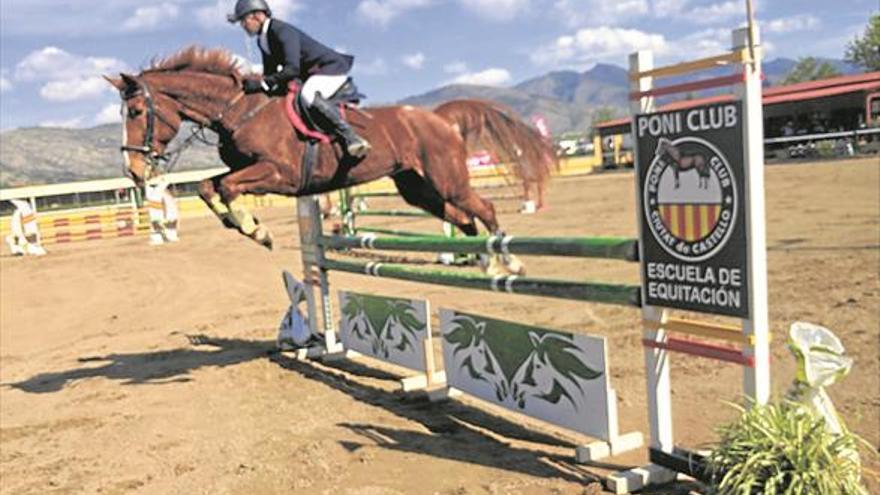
[(295, 55)]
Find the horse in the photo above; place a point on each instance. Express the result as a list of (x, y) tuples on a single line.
[(423, 152), (682, 162)]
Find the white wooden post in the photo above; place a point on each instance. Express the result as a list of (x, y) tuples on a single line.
[(656, 360), (310, 229), (756, 381)]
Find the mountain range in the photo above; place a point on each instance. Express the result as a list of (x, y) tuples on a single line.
[(569, 101)]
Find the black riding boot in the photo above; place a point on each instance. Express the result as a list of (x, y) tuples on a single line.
[(353, 144)]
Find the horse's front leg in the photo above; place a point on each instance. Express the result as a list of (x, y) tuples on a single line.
[(260, 177), (208, 193)]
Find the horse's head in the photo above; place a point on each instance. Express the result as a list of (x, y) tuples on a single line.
[(149, 122), (664, 147)]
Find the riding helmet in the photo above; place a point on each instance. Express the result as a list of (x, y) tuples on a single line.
[(245, 7)]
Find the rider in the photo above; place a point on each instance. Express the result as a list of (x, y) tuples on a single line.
[(290, 54)]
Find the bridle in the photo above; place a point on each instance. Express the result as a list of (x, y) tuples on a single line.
[(153, 157)]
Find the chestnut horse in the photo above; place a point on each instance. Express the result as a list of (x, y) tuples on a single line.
[(423, 152)]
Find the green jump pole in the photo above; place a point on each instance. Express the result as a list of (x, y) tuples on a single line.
[(399, 233), (393, 213), (582, 247), (625, 295)]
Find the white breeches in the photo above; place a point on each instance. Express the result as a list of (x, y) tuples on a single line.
[(326, 85)]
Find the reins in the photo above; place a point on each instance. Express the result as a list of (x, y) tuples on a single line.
[(155, 159)]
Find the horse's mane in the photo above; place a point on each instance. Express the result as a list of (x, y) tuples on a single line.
[(198, 59)]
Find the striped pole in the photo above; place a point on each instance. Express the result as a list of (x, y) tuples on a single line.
[(582, 247), (625, 295)]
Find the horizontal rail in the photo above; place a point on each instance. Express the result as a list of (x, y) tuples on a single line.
[(702, 349), (820, 137), (378, 194), (701, 329), (738, 57), (583, 247), (498, 197), (714, 82), (393, 213), (626, 295), (399, 233)]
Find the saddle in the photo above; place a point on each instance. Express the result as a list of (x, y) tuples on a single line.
[(305, 121)]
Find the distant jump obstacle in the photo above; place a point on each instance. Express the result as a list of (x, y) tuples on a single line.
[(701, 248), (350, 206), (93, 226)]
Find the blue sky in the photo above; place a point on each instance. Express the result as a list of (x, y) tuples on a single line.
[(52, 52)]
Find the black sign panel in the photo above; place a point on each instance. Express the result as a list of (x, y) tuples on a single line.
[(693, 215)]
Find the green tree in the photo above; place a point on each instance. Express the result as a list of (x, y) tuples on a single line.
[(865, 51), (809, 69)]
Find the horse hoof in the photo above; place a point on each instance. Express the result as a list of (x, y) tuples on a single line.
[(264, 238), (513, 265)]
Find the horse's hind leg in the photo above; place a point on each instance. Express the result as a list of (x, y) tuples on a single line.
[(416, 191), (473, 204)]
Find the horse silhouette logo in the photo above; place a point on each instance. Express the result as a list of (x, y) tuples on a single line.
[(690, 198), (683, 162)]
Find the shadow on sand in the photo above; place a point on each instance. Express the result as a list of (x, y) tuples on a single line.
[(454, 430)]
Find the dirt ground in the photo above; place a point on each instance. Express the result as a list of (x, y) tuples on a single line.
[(134, 369)]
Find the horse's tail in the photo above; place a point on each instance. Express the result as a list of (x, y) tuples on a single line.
[(489, 126)]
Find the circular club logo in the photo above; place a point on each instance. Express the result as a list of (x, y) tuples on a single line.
[(690, 198)]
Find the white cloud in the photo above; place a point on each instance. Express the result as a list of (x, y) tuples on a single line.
[(382, 12), (456, 67), (496, 10), (582, 12), (81, 88), (214, 15), (717, 13), (52, 63), (377, 67), (414, 61), (109, 114), (489, 77), (669, 8), (72, 122), (714, 13), (704, 43), (146, 18), (591, 45), (5, 84), (802, 22), (286, 9)]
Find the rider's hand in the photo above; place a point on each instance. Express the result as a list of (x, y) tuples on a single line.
[(253, 86)]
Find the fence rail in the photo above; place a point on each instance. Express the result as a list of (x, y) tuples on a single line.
[(583, 247), (625, 295)]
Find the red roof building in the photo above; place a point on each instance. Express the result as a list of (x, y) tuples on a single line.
[(840, 103)]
